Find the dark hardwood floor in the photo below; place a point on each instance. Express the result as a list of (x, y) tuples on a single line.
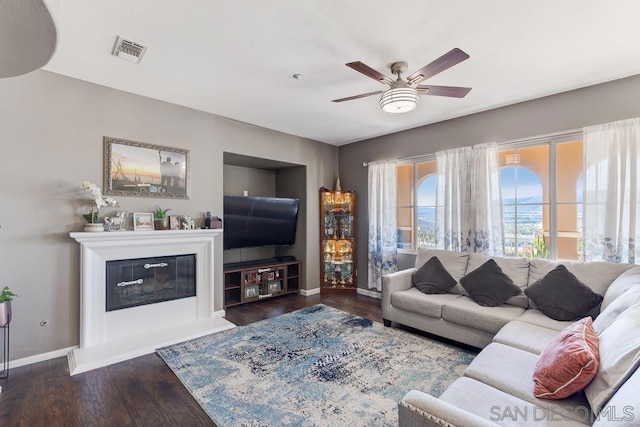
[(138, 392)]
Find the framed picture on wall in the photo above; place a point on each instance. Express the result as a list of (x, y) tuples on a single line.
[(139, 169)]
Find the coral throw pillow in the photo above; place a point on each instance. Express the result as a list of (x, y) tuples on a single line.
[(568, 363)]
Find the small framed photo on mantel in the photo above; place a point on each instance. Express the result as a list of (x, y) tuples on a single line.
[(142, 221), (174, 222)]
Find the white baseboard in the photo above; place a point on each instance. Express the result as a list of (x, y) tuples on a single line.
[(309, 292), (63, 352), (370, 293), (124, 348), (40, 357)]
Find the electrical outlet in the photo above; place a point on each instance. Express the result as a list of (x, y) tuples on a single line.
[(44, 323)]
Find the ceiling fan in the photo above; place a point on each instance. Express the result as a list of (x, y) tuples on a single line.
[(404, 95)]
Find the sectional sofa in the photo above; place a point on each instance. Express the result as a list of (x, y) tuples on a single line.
[(498, 387)]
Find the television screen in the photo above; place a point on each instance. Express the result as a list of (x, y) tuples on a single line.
[(259, 221)]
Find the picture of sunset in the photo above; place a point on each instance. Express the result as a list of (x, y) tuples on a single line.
[(145, 169)]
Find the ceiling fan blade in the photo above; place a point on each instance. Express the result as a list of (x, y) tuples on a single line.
[(349, 98), (448, 60), (369, 72), (452, 91)]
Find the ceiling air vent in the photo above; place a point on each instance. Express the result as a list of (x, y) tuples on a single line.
[(129, 50)]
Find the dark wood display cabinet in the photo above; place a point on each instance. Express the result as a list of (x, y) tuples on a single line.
[(337, 241), (251, 283)]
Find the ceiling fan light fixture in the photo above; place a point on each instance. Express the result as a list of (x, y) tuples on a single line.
[(399, 100)]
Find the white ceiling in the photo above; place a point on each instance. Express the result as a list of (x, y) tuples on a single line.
[(236, 58)]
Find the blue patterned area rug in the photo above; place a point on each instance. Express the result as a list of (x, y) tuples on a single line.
[(318, 366)]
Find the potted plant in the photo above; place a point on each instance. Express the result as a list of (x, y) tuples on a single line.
[(93, 220), (160, 222), (6, 296)]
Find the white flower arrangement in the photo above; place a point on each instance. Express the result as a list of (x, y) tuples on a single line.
[(99, 201)]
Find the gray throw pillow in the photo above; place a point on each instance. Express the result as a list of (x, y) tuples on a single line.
[(561, 296), (433, 278), (489, 286)]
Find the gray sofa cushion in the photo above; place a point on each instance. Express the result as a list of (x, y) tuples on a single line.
[(454, 262), (525, 336), (511, 370), (619, 357), (433, 278), (536, 317), (416, 302), (464, 311), (561, 296), (613, 310), (627, 280), (623, 406), (488, 285), (500, 407), (515, 267)]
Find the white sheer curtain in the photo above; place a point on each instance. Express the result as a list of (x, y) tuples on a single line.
[(612, 192), (382, 221), (469, 216)]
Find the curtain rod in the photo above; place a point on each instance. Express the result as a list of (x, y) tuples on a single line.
[(508, 142)]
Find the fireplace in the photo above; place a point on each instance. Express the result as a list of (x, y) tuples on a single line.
[(134, 282), (140, 290)]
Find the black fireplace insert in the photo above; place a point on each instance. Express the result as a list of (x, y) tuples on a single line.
[(140, 281)]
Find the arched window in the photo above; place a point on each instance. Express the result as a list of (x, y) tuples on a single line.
[(542, 198), (416, 204), (522, 210), (426, 212), (427, 191)]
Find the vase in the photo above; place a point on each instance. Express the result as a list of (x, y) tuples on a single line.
[(161, 224), (93, 226), (5, 313)]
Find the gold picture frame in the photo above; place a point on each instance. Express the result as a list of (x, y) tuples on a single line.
[(138, 169)]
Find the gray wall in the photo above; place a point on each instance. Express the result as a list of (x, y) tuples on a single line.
[(291, 182), (602, 103), (258, 182), (51, 130)]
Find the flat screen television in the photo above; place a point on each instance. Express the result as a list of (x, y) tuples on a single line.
[(259, 221)]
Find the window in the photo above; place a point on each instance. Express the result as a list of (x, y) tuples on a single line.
[(426, 211), (542, 187), (524, 184), (416, 205), (569, 191)]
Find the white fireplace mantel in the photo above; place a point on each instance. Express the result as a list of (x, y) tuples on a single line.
[(111, 337)]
